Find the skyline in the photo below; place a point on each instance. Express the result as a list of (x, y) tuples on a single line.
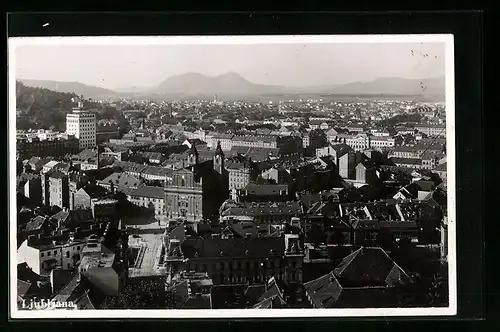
[(124, 66)]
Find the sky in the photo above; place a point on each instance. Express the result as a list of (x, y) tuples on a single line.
[(122, 66)]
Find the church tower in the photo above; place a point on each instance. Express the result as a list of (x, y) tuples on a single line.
[(219, 159), (192, 155)]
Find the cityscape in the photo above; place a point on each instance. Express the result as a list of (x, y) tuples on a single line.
[(210, 191)]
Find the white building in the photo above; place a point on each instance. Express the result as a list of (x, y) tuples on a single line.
[(82, 124), (360, 142), (380, 142), (45, 135), (43, 258)]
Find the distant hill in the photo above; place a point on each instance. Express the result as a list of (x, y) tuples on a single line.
[(88, 91), (394, 86), (233, 86), (41, 108), (229, 84), (135, 89)]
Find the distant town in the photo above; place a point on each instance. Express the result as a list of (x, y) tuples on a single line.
[(218, 204)]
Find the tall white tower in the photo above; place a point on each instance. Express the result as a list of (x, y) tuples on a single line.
[(82, 124)]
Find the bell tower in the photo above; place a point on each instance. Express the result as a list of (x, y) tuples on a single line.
[(192, 155), (219, 159)]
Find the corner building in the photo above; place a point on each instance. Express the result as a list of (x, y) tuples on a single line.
[(82, 125)]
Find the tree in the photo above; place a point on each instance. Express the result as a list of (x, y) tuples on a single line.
[(143, 294)]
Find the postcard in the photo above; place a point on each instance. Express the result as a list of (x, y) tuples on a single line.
[(232, 176)]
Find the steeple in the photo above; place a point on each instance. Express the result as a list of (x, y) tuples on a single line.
[(219, 159), (218, 150), (193, 155)]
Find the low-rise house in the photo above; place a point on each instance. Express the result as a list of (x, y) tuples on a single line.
[(43, 256)]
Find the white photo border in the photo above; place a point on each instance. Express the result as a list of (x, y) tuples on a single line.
[(447, 39)]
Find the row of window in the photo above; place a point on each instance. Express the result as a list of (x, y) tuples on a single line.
[(49, 253), (237, 265)]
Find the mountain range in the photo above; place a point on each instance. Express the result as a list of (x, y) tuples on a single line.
[(233, 85)]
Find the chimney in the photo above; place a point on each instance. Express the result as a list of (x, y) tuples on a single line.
[(31, 239)]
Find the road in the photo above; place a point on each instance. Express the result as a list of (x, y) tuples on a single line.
[(152, 243)]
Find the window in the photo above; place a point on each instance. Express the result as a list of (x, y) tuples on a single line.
[(67, 254), (42, 254), (48, 253)]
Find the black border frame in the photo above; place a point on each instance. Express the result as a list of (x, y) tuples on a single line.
[(466, 26)]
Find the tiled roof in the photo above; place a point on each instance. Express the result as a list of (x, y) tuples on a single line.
[(35, 223), (60, 216), (265, 189), (81, 215), (157, 171), (95, 191), (272, 290), (260, 209), (368, 267), (25, 273), (404, 148), (24, 288), (406, 161), (198, 301), (254, 292), (122, 180), (57, 175), (441, 168), (68, 290), (149, 191), (237, 247), (323, 291), (273, 302), (152, 155)]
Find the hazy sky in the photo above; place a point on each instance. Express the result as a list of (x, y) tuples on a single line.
[(117, 66)]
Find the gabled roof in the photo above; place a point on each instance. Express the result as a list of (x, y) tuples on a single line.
[(60, 216), (81, 215), (94, 191), (149, 191), (426, 185), (273, 302), (25, 273), (272, 290), (324, 291), (35, 223), (25, 289), (198, 301), (121, 180), (254, 292), (368, 267)]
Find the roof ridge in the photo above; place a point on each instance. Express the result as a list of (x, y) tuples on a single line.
[(349, 258)]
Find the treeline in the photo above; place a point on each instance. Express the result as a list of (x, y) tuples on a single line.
[(41, 108), (391, 122)]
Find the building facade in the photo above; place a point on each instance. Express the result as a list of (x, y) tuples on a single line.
[(26, 148), (82, 125)]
